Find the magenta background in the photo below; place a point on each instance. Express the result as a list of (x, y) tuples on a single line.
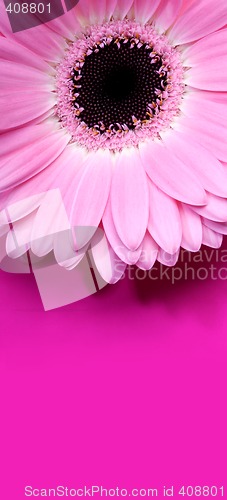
[(126, 388)]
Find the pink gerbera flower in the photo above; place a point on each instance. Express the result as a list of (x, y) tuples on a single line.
[(119, 106)]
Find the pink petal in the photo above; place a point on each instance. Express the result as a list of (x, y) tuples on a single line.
[(219, 98), (210, 134), (126, 255), (67, 25), (149, 253), (192, 229), (218, 227), (209, 105), (97, 11), (215, 209), (10, 50), (211, 239), (122, 8), (93, 11), (92, 191), (23, 107), (167, 259), (129, 198), (164, 221), (61, 174), (200, 19), (170, 174), (52, 46), (209, 63), (15, 140), (42, 118), (26, 77), (208, 170), (32, 158), (166, 14), (205, 50), (110, 8), (144, 10), (108, 264)]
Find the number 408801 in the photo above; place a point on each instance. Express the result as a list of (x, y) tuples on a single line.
[(26, 8), (201, 491)]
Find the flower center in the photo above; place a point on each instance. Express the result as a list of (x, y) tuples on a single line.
[(118, 84)]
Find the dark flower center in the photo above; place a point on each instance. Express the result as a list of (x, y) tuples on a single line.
[(118, 84)]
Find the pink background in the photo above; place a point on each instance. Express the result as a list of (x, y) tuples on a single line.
[(126, 388)]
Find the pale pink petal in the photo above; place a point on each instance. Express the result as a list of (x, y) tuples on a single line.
[(51, 218), (64, 249), (215, 209), (192, 229), (108, 264), (218, 227), (145, 9), (166, 14), (14, 211), (25, 77), (149, 253), (32, 158), (208, 60), (92, 191), (23, 107), (74, 262), (4, 229), (170, 174), (211, 239), (129, 198), (122, 8), (209, 134), (19, 237), (201, 18), (167, 259), (209, 171), (128, 256), (164, 220)]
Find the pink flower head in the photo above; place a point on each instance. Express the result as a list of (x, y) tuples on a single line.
[(118, 108)]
